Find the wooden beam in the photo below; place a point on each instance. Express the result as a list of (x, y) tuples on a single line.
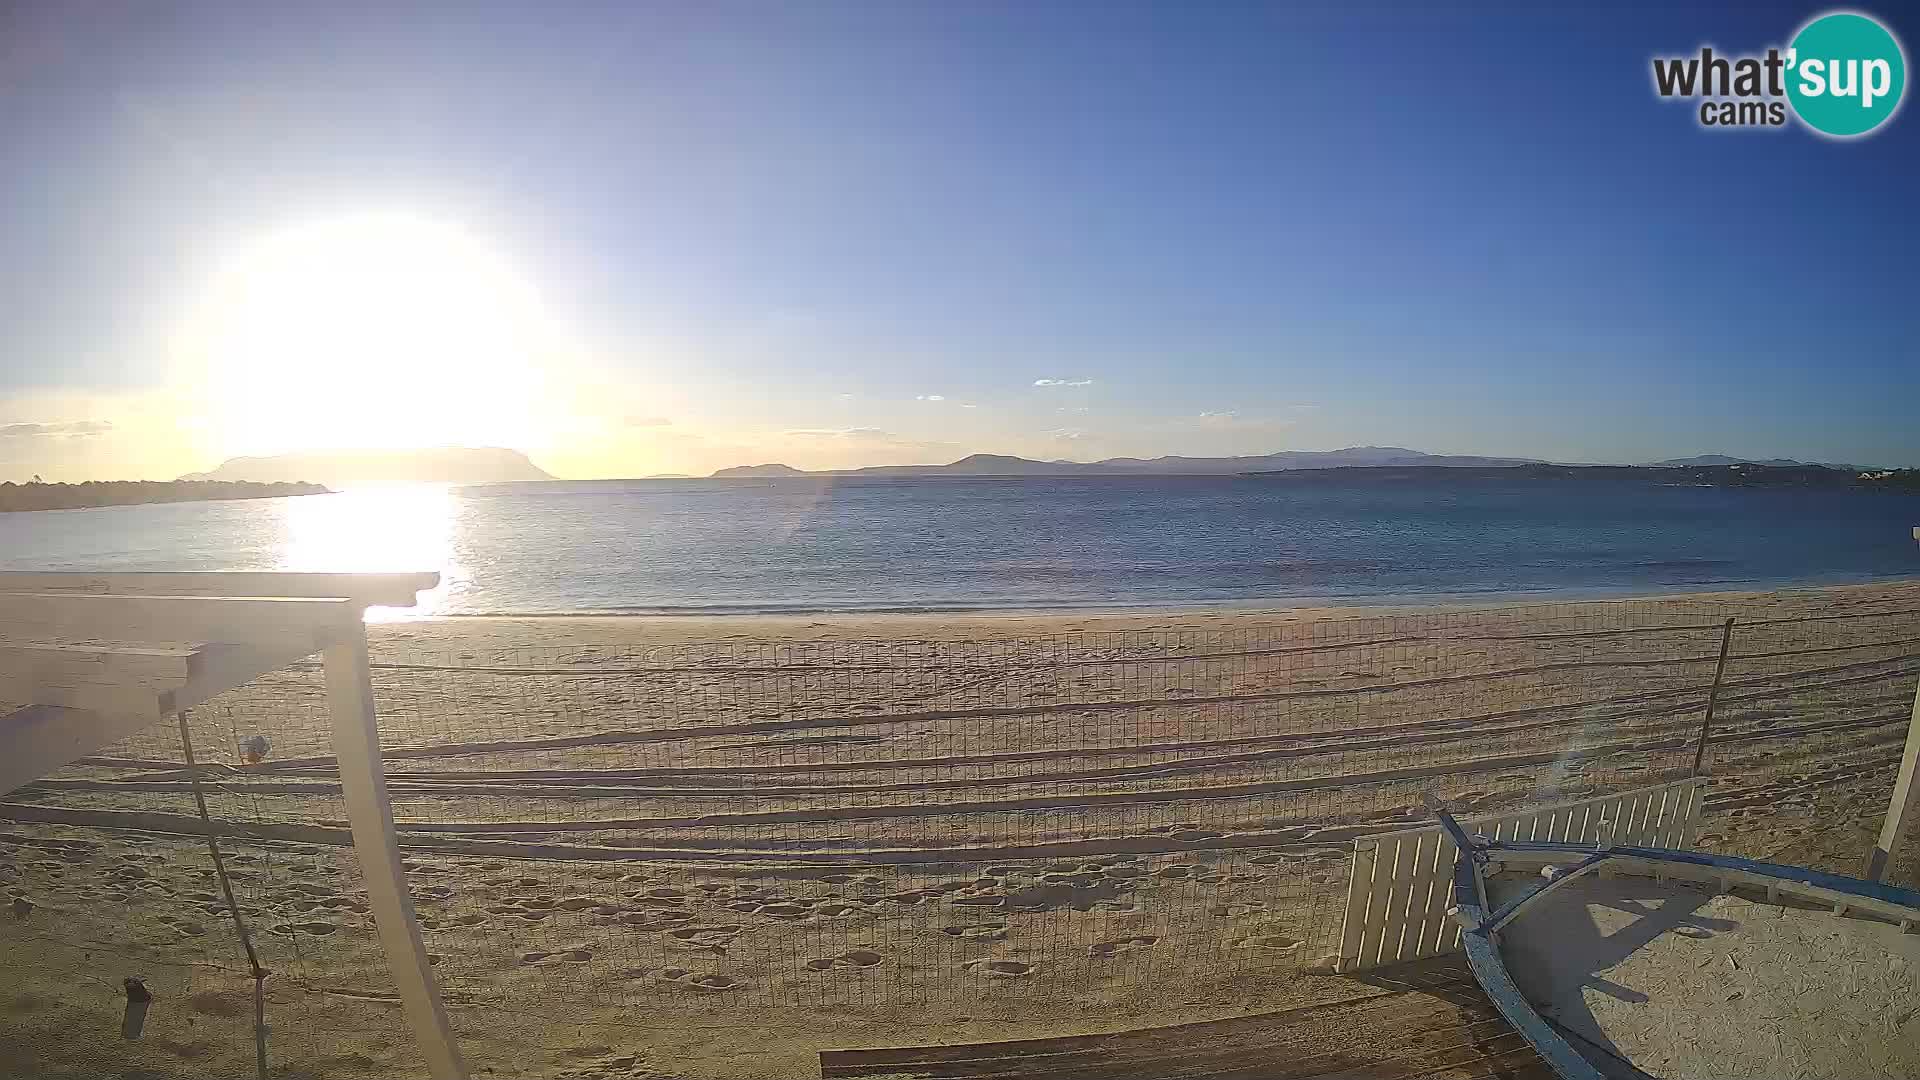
[(356, 740), (96, 663), (133, 703), (215, 669), (1904, 807), (41, 738), (59, 723), (305, 624), (386, 590)]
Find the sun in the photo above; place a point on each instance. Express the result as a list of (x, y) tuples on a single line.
[(368, 331)]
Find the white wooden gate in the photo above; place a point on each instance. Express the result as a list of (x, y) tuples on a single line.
[(1397, 894)]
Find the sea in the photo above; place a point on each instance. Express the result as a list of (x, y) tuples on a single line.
[(857, 544)]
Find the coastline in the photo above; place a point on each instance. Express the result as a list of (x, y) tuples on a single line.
[(601, 628)]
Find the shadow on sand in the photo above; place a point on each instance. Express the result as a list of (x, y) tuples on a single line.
[(1566, 945)]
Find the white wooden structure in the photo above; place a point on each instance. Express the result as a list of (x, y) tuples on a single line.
[(1904, 808), (89, 659), (1399, 888)]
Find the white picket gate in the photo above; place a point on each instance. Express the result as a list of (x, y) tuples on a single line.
[(1398, 891)]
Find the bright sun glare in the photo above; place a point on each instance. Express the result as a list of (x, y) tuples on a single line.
[(369, 331)]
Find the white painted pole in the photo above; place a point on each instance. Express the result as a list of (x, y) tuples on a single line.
[(1904, 807), (356, 742)]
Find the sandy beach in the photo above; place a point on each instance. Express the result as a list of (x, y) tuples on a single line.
[(711, 846)]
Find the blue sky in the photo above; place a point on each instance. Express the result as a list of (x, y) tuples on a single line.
[(838, 234)]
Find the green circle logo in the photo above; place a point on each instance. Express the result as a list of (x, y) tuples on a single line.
[(1845, 74)]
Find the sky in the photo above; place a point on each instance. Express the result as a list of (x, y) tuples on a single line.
[(641, 238)]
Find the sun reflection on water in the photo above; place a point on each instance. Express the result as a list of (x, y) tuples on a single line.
[(375, 530)]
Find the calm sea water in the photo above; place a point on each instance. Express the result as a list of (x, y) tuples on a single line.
[(951, 543)]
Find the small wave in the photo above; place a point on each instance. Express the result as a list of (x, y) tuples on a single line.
[(1679, 564)]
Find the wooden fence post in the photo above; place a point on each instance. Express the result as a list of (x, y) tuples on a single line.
[(356, 743), (1713, 693), (1904, 807)]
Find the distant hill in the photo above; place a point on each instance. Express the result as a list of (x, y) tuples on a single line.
[(1005, 465), (350, 468), (1722, 459), (1742, 475), (135, 492), (759, 470)]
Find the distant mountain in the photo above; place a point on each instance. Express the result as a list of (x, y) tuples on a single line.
[(1005, 465), (350, 468), (1741, 475), (759, 470), (1722, 459)]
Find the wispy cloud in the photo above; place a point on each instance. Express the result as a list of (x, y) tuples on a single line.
[(842, 433), (70, 429), (1063, 382), (1068, 433), (929, 397)]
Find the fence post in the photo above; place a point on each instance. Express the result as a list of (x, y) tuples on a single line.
[(356, 744), (1904, 807), (1713, 692)]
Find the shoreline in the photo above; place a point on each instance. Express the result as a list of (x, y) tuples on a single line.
[(1385, 603), (409, 631)]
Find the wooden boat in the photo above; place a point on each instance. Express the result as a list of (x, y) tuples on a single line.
[(1644, 961)]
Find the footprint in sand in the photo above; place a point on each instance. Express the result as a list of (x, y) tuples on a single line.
[(1196, 836), (194, 929), (695, 981), (834, 909), (1081, 880), (1176, 872), (1270, 942), (1243, 907), (714, 938), (318, 929), (977, 932), (655, 920), (578, 953), (854, 958), (999, 969), (1120, 945), (850, 879)]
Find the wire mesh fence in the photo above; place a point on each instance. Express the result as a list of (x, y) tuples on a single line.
[(813, 835)]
